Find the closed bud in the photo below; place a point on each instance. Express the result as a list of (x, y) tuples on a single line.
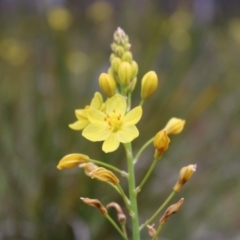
[(95, 203), (88, 167), (151, 230), (132, 85), (149, 84), (174, 126), (72, 160), (125, 73), (127, 46), (127, 57), (102, 174), (121, 216), (114, 47), (161, 142), (107, 84), (119, 51), (171, 210), (134, 68), (111, 72), (115, 63), (112, 56), (184, 175)]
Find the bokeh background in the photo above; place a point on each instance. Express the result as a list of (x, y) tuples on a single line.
[(51, 54)]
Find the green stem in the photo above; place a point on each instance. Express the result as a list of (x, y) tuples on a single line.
[(125, 199), (132, 195), (142, 149), (158, 211), (123, 173), (123, 225), (157, 232), (116, 226), (139, 188), (142, 102)]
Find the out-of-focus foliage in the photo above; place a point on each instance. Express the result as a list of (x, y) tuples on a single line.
[(51, 54)]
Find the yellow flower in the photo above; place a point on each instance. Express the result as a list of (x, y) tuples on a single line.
[(113, 126), (81, 114), (174, 126)]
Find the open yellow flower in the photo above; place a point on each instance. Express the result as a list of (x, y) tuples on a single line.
[(113, 126), (81, 114)]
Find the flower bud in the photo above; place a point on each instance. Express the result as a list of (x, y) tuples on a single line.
[(112, 56), (174, 126), (161, 142), (125, 73), (72, 160), (102, 174), (115, 63), (149, 84), (127, 46), (184, 175), (121, 216), (132, 85), (127, 57), (134, 68), (151, 230), (107, 84), (95, 203), (88, 167), (119, 51), (171, 210)]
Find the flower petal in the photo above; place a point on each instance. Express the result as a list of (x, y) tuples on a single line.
[(133, 116), (96, 116), (127, 134), (111, 143), (96, 132), (79, 125), (81, 114), (116, 103), (97, 101)]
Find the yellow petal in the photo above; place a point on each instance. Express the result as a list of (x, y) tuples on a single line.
[(127, 134), (96, 132), (79, 125), (116, 103), (133, 116), (81, 114), (96, 116), (111, 143), (97, 101)]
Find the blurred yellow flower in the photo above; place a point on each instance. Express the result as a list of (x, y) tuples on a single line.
[(81, 114), (59, 19), (113, 126)]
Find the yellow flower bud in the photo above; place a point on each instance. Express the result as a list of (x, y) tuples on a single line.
[(174, 126), (184, 175), (112, 56), (102, 174), (171, 210), (149, 84), (72, 160), (161, 142), (115, 63), (107, 84), (125, 73), (95, 203), (127, 57), (132, 85), (119, 51), (134, 68)]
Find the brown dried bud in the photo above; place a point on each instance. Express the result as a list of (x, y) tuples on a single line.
[(88, 167), (95, 203), (171, 210), (104, 175), (151, 230), (72, 160), (184, 175), (121, 216)]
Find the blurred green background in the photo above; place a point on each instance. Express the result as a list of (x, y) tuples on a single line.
[(51, 54)]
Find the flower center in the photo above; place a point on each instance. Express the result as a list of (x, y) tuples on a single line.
[(114, 121)]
